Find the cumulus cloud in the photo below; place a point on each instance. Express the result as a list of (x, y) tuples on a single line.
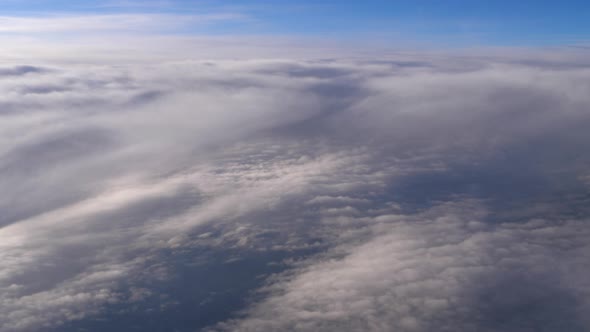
[(438, 193), (443, 269)]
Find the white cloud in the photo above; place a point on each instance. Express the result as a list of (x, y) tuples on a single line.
[(108, 164), (444, 269), (108, 22)]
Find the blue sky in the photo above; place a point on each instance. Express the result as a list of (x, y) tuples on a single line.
[(449, 22)]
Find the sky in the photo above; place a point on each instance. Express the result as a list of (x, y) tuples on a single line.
[(453, 23), (184, 166)]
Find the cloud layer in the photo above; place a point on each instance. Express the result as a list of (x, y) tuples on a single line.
[(439, 193)]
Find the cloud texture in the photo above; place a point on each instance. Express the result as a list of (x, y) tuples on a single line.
[(445, 193)]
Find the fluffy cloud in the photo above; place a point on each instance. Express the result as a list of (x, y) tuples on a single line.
[(442, 269), (436, 193)]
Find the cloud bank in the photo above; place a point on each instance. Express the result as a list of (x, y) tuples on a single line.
[(436, 192)]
